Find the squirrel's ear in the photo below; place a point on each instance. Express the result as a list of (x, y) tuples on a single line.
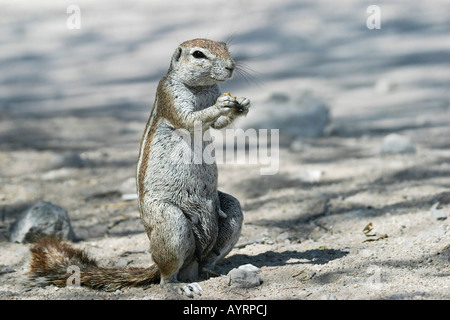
[(177, 55)]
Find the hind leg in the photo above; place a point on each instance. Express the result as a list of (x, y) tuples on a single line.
[(229, 229), (172, 242), (172, 245)]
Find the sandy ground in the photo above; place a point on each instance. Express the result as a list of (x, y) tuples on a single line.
[(89, 92)]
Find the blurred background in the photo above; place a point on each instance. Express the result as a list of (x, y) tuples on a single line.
[(74, 102), (109, 68)]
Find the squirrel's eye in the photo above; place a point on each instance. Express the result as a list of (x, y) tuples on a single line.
[(198, 55)]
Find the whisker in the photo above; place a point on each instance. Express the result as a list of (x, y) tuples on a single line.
[(246, 67), (242, 69), (245, 72), (230, 39)]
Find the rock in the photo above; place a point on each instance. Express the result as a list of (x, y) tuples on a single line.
[(437, 214), (245, 276), (249, 268), (43, 218), (397, 144)]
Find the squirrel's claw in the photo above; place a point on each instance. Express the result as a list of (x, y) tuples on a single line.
[(189, 289)]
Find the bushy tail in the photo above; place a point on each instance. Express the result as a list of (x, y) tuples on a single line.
[(52, 260)]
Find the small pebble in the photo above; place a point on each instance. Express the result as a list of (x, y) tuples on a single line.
[(397, 144), (243, 278), (249, 268), (436, 213), (43, 218)]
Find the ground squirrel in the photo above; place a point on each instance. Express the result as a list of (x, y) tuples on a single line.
[(191, 225)]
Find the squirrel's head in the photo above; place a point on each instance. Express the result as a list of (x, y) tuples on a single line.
[(202, 62)]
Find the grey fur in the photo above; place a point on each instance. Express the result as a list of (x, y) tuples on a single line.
[(189, 222)]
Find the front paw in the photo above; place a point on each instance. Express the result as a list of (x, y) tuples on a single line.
[(226, 104), (243, 107)]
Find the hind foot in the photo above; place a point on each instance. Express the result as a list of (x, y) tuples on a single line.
[(189, 289)]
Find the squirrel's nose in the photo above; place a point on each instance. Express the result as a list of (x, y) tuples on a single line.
[(230, 67)]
